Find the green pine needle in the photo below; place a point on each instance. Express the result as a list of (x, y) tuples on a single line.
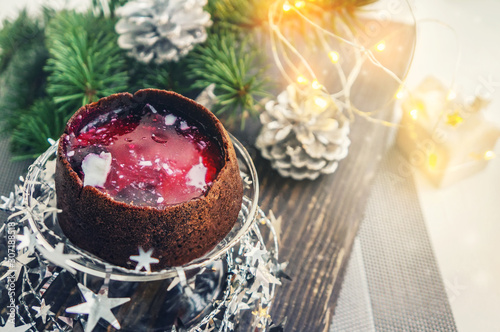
[(22, 57), (21, 83), (18, 36), (235, 69), (167, 76), (85, 63), (29, 139), (245, 14)]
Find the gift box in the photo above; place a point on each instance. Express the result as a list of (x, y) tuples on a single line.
[(442, 135)]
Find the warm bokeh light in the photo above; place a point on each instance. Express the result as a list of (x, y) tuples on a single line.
[(432, 160), (400, 94), (488, 155), (301, 80), (300, 4), (414, 113), (286, 6), (321, 102), (334, 56), (316, 85), (454, 119), (380, 46)]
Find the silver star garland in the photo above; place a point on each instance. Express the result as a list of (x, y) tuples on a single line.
[(144, 260), (28, 240), (97, 306), (251, 262), (58, 256), (9, 328), (19, 263), (43, 311)]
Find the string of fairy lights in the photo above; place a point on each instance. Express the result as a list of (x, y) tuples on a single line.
[(305, 79), (282, 50)]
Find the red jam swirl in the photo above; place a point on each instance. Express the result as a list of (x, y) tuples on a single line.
[(148, 159)]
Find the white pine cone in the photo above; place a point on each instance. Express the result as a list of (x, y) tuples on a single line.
[(303, 135), (161, 30)]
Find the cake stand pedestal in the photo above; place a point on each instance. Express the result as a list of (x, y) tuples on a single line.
[(57, 286)]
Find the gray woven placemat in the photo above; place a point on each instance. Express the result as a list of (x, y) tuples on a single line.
[(392, 282), (9, 172)]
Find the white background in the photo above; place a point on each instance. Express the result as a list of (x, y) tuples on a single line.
[(463, 219)]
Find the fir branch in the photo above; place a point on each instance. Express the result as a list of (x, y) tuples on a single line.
[(235, 69), (29, 139), (17, 36), (23, 55), (21, 83), (246, 14), (167, 76), (86, 64)]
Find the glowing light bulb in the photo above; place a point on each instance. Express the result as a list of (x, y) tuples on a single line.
[(432, 160), (399, 94), (452, 95), (454, 119), (488, 155), (414, 114), (286, 6), (380, 46), (321, 102), (334, 56), (301, 79), (316, 85), (300, 4)]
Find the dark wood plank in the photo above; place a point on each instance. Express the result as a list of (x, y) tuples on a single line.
[(321, 217)]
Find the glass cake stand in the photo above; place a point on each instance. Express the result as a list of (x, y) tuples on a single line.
[(75, 288)]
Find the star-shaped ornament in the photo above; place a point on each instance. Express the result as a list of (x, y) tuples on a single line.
[(144, 260), (239, 303), (97, 306), (276, 223), (28, 240), (261, 312), (256, 253), (264, 278), (8, 202), (19, 262), (261, 317), (25, 212), (174, 283), (8, 327), (43, 311), (58, 257)]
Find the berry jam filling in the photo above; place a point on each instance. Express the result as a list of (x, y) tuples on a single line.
[(147, 159)]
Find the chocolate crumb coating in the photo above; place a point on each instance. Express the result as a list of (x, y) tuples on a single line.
[(113, 230)]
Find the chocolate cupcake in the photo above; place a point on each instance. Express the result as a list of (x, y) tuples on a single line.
[(153, 170)]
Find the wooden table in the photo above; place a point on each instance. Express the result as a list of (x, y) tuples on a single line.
[(320, 218)]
